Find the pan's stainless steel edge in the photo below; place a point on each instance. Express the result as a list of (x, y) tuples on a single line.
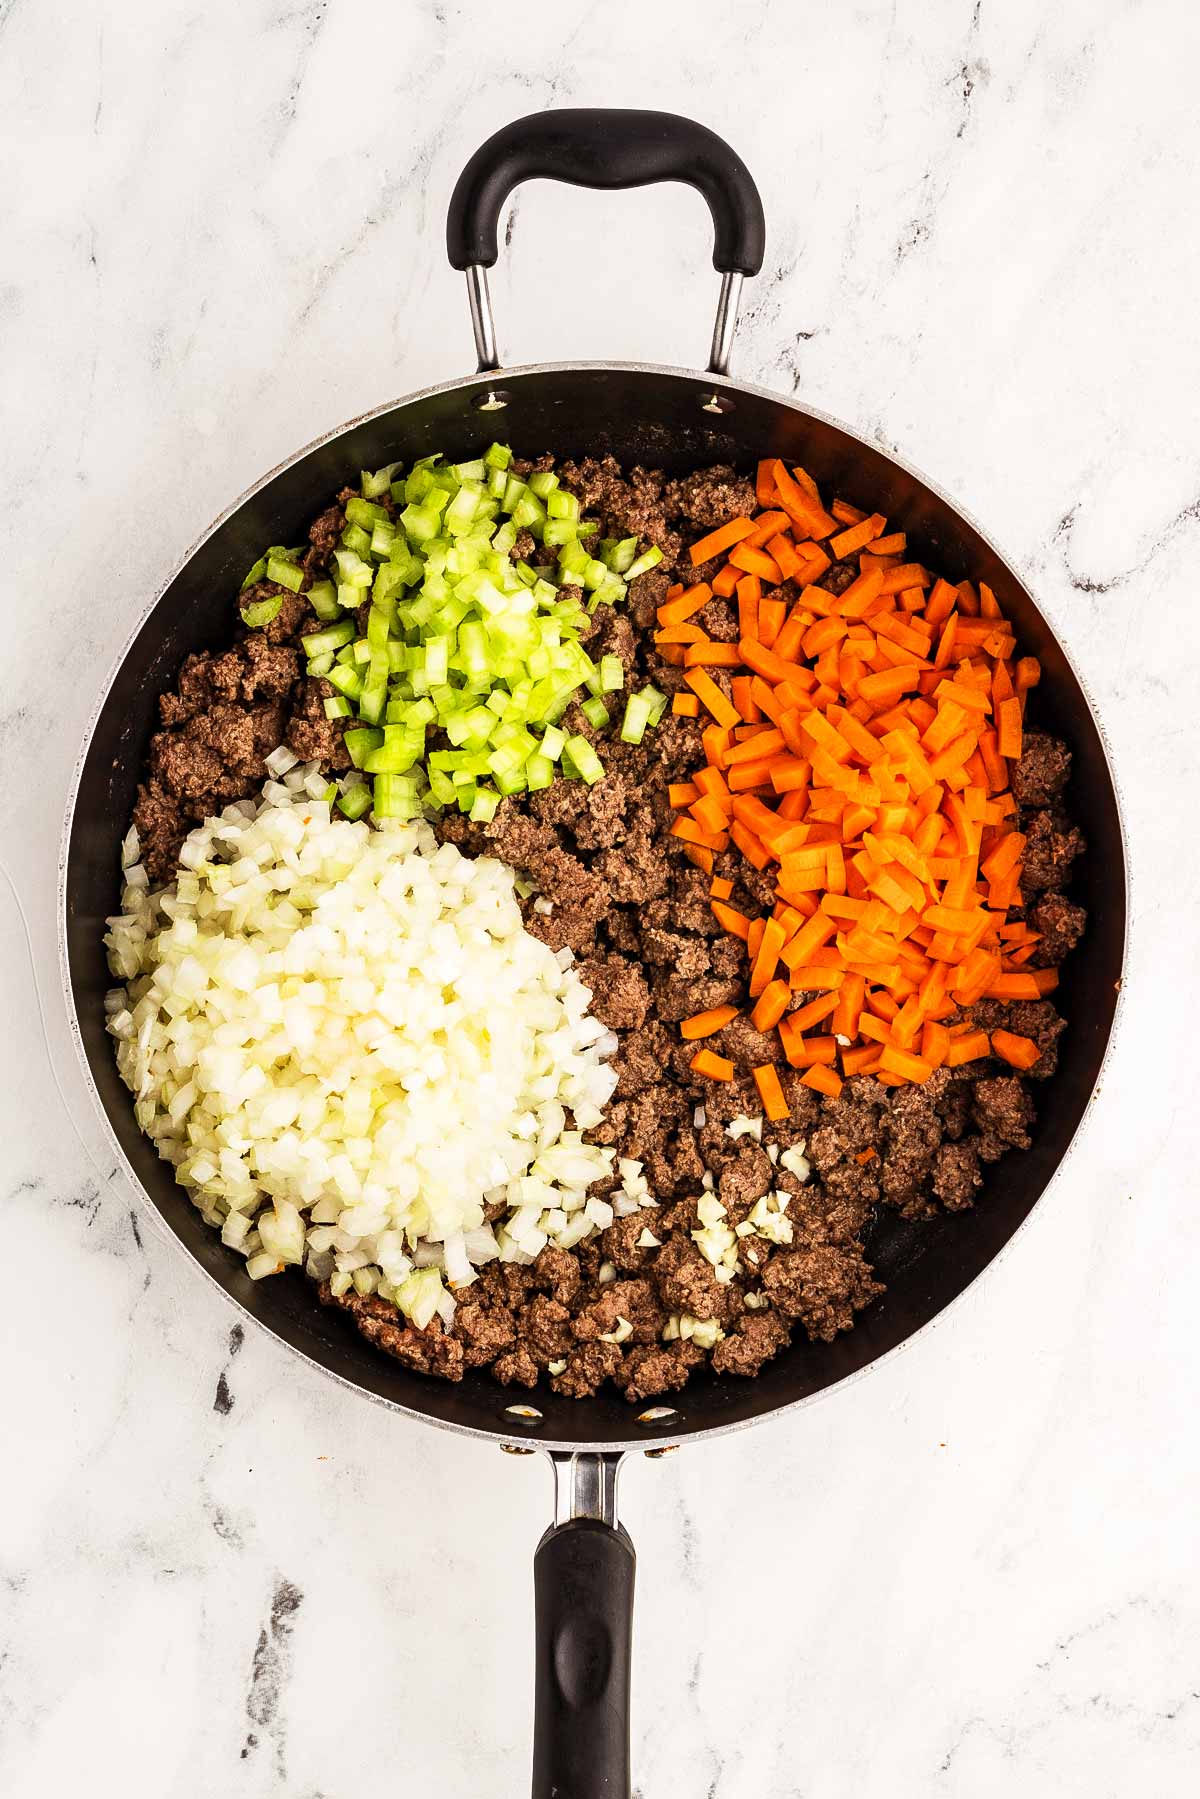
[(705, 382)]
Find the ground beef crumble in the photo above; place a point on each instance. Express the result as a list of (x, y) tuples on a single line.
[(636, 914)]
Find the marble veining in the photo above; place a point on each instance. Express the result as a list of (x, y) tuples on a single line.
[(971, 1576)]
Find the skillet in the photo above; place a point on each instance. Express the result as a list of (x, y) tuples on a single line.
[(676, 419)]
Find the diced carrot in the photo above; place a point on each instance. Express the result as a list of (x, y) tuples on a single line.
[(743, 696), (685, 705), (702, 858), (707, 1024), (805, 512), (682, 793), (1034, 985), (714, 1067), (711, 697), (770, 1092), (721, 887), (857, 536), (1009, 729), (723, 538), (1018, 1052), (902, 1062), (771, 614), (756, 562), (735, 922), (968, 1048), (691, 832), (771, 1006), (764, 485), (822, 1080)]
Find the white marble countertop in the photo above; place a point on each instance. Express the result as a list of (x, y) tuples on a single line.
[(973, 1574)]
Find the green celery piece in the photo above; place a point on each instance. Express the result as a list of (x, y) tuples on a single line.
[(637, 717), (483, 807), (372, 700), (561, 504), (359, 744), (356, 540), (375, 485), (337, 706), (657, 701), (559, 531), (392, 758), (261, 612), (441, 787), (464, 795), (511, 782), (647, 560), (321, 665), (596, 712), (553, 743), (365, 514), (612, 674), (497, 456), (286, 573), (539, 773), (256, 572), (331, 638), (543, 482), (355, 801), (584, 759), (394, 800), (323, 600)]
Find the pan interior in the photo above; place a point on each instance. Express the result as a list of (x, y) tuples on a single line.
[(660, 418)]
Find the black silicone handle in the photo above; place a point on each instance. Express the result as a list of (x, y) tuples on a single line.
[(607, 147), (583, 1608)]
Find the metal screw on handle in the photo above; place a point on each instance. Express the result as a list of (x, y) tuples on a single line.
[(483, 323)]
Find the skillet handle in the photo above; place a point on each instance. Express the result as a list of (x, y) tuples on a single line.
[(583, 1607), (605, 147)]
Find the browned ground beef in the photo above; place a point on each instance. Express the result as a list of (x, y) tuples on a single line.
[(636, 913)]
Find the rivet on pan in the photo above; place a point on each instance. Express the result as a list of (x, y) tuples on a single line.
[(657, 1414), (517, 1449), (716, 403), (652, 1455), (528, 1415), (494, 400)]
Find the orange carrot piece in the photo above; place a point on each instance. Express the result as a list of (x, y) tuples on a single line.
[(816, 1010), (743, 697), (771, 1006), (767, 524), (752, 749), (1034, 985), (756, 562), (721, 887), (691, 832), (1018, 1052), (764, 485), (902, 1062), (967, 1049), (1009, 729), (682, 793), (711, 697), (711, 655), (771, 614), (714, 1067), (706, 1024), (767, 956), (735, 922), (723, 538), (702, 858), (857, 537), (822, 1080), (770, 1092), (801, 506), (685, 705)]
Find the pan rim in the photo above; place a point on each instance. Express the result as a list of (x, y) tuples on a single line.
[(647, 1438)]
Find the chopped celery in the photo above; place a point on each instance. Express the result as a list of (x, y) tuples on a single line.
[(395, 797), (497, 456), (377, 484), (355, 801), (539, 773), (584, 759), (287, 574), (317, 642), (256, 572), (360, 743), (595, 711), (321, 665), (612, 674), (561, 504), (323, 599), (647, 560), (337, 706), (637, 717), (346, 680), (543, 483), (658, 702), (261, 612), (483, 807), (553, 743)]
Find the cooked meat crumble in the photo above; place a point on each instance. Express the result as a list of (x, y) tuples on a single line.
[(635, 912)]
